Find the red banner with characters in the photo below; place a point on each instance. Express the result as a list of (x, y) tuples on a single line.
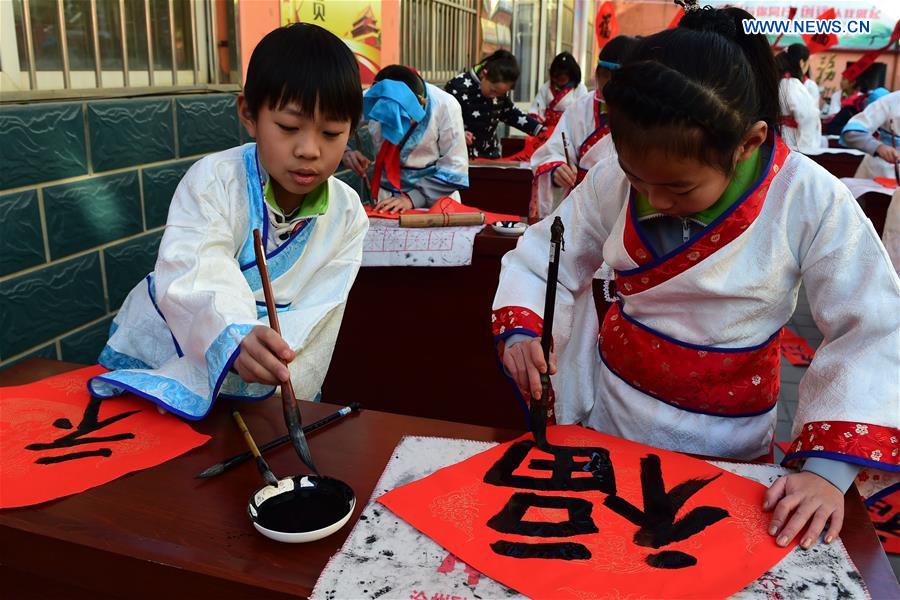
[(594, 513), (821, 42), (606, 25), (56, 440)]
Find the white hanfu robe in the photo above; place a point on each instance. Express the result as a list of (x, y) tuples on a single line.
[(801, 127), (813, 88), (587, 143), (434, 161), (688, 357), (549, 107), (179, 331), (879, 118)]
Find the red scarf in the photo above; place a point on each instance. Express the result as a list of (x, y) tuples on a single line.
[(388, 159)]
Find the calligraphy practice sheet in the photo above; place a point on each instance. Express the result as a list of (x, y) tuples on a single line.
[(56, 440), (385, 557)]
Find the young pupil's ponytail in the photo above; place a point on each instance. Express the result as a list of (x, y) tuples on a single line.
[(500, 66), (694, 90)]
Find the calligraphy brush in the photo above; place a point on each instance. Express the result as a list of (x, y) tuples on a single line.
[(289, 405), (365, 175), (565, 148), (239, 459), (539, 407), (261, 463), (894, 146)]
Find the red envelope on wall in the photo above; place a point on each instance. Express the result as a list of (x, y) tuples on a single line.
[(55, 440), (595, 514)]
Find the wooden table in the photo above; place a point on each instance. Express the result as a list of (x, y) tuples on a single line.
[(498, 189), (839, 164), (161, 533), (411, 329)]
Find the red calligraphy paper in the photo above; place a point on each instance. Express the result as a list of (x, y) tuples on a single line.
[(888, 182), (597, 514), (445, 206), (795, 349), (54, 441)]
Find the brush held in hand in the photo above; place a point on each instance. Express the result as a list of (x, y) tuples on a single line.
[(539, 407), (291, 409)]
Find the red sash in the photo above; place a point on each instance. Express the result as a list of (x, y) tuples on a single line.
[(388, 159), (788, 121), (732, 382), (653, 270)]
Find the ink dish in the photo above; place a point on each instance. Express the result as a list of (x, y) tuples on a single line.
[(510, 227), (302, 508)]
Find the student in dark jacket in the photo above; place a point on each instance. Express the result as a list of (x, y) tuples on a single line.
[(483, 94)]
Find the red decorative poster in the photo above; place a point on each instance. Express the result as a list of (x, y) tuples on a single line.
[(55, 440), (594, 514), (605, 23), (821, 41)]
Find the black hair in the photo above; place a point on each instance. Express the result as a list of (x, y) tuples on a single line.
[(304, 64), (705, 83), (788, 61), (616, 50), (501, 66), (868, 79), (404, 75), (565, 64)]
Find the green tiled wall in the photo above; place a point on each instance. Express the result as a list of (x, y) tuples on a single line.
[(207, 123), (91, 181), (130, 132), (44, 303), (128, 262), (41, 142), (159, 184), (21, 241), (85, 214)]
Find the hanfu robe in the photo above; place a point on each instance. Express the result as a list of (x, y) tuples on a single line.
[(433, 160), (585, 126), (688, 358), (878, 119), (813, 88), (551, 102), (801, 127), (179, 330)]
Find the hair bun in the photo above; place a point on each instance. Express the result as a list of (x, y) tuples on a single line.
[(710, 19)]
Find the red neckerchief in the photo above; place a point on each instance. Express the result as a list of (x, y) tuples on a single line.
[(388, 159)]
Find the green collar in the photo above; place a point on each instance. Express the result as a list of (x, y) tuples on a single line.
[(746, 172), (313, 204)]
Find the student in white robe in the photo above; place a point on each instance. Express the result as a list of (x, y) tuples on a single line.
[(801, 126), (561, 91), (711, 224), (196, 328), (417, 130), (871, 131), (587, 143)]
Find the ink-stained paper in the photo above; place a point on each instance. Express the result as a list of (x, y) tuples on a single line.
[(389, 559), (55, 440), (595, 514)]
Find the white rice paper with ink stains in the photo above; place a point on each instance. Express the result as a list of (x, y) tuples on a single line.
[(389, 245), (386, 558)]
